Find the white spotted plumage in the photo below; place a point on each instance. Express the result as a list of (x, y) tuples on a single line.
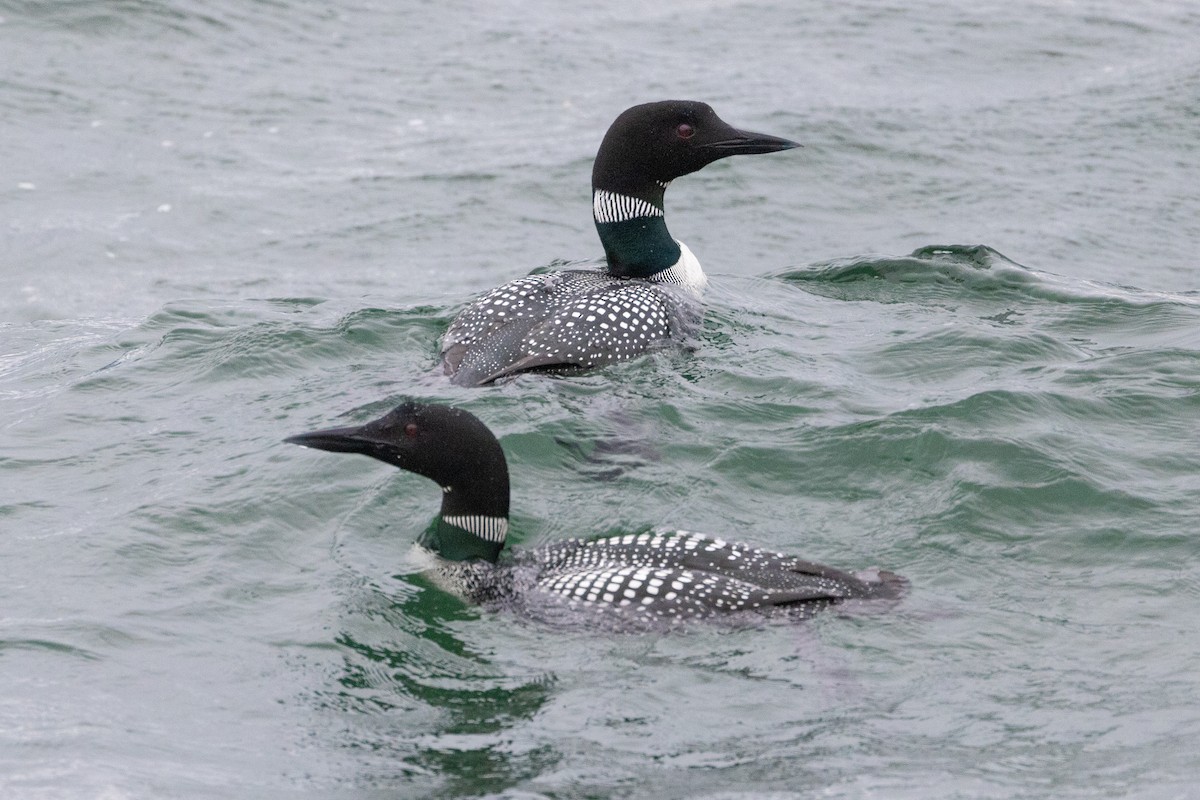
[(575, 319), (659, 576)]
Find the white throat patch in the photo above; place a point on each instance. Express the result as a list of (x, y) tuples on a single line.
[(686, 272)]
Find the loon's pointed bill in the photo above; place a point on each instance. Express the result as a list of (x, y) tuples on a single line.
[(745, 143), (646, 295), (335, 440), (631, 581), (372, 439)]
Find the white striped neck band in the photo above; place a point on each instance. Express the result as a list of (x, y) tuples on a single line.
[(612, 207), (491, 529)]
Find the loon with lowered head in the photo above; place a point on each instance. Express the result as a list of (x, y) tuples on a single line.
[(575, 320), (635, 581)]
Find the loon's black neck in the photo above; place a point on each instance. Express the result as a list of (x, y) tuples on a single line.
[(473, 522), (633, 230)]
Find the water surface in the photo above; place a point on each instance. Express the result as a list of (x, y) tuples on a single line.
[(956, 335)]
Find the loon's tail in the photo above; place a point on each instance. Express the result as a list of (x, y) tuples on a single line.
[(883, 584)]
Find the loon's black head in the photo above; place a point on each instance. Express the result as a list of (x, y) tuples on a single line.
[(646, 148), (449, 446), (655, 143)]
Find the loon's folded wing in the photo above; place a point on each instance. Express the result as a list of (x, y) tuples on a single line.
[(781, 574), (515, 307), (674, 592), (585, 320)]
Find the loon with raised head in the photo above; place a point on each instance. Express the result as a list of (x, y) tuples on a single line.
[(635, 581), (574, 320)]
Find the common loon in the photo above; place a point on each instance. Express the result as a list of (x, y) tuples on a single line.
[(574, 320), (636, 580)]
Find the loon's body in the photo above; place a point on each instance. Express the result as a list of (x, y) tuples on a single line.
[(580, 319), (636, 579)]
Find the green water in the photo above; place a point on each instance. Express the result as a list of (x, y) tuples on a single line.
[(228, 224)]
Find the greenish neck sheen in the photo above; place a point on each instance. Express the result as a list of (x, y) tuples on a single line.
[(638, 247), (458, 544)]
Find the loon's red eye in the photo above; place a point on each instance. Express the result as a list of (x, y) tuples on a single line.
[(411, 429), (685, 131)]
